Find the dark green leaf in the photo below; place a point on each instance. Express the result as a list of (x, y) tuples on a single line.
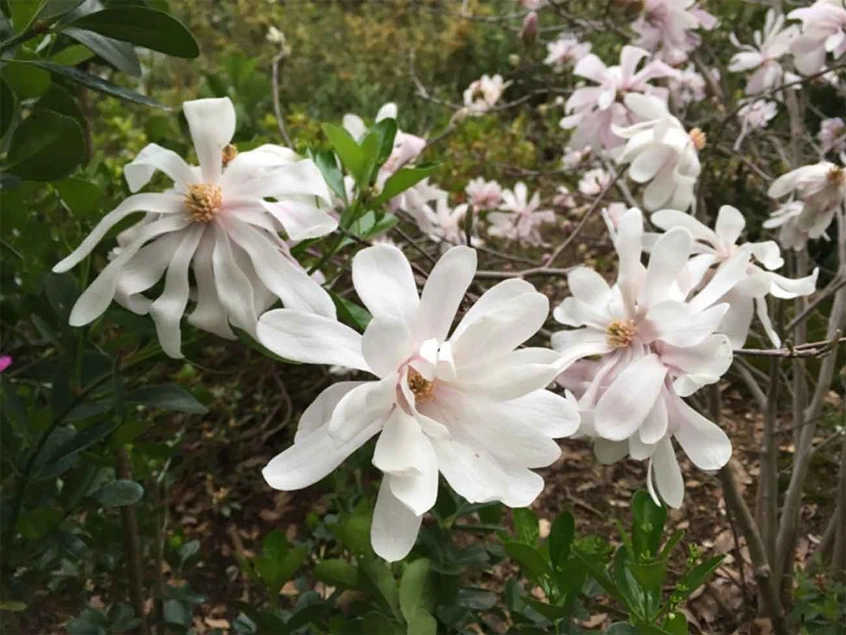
[(72, 55), (119, 494), (8, 104), (348, 151), (650, 575), (423, 623), (84, 440), (119, 54), (377, 624), (400, 181), (325, 161), (337, 573), (534, 564), (25, 81), (383, 582), (45, 147), (549, 611), (167, 396), (676, 624), (90, 81), (526, 525), (39, 521), (59, 100), (351, 313), (81, 196), (697, 577), (621, 628), (142, 26), (647, 525), (376, 147), (414, 591), (476, 599), (561, 538)]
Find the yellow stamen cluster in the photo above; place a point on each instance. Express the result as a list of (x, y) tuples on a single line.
[(837, 175), (621, 333), (203, 201), (421, 387), (699, 138), (229, 153)]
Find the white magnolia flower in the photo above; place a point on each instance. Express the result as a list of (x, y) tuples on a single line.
[(662, 153), (415, 198), (687, 87), (565, 50), (519, 217), (217, 220), (466, 404), (832, 135), (442, 222), (594, 182), (786, 218), (564, 198), (483, 195), (667, 27), (655, 346), (823, 32), (715, 248), (573, 158), (594, 110), (822, 189), (484, 93), (755, 114), (771, 44)]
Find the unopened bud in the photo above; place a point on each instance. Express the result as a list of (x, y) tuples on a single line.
[(529, 31), (514, 59)]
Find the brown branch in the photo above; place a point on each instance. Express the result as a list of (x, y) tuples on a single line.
[(132, 546), (810, 349)]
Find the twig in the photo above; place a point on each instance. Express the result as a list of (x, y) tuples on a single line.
[(833, 286), (277, 104), (810, 349), (132, 546)]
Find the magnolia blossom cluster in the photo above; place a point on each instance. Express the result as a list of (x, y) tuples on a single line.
[(763, 59), (565, 50), (823, 33), (484, 93), (519, 217), (668, 28)]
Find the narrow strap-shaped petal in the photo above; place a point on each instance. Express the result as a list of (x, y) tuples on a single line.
[(154, 157), (394, 528), (301, 220), (212, 125), (234, 287), (209, 314)]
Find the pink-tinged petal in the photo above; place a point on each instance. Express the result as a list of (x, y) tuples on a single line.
[(638, 450), (730, 224), (371, 402), (591, 67), (510, 376), (319, 412), (702, 440), (154, 157), (97, 297), (310, 338), (679, 325), (629, 247), (5, 362), (787, 288), (210, 313), (311, 458), (212, 126), (301, 220), (385, 283), (630, 57), (444, 291), (395, 527), (655, 424), (386, 344), (625, 404), (234, 288), (548, 413), (649, 162), (668, 258), (491, 301), (280, 273), (574, 312), (646, 107), (169, 307), (706, 362), (728, 275), (665, 470), (158, 203)]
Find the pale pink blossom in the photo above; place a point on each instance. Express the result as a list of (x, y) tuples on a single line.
[(687, 87), (756, 114), (832, 135), (483, 195), (484, 93), (564, 51), (786, 219), (573, 158), (519, 217), (5, 362), (667, 27), (440, 222), (594, 181), (592, 111), (823, 32), (763, 59), (564, 198)]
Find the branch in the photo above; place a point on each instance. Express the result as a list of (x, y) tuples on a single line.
[(132, 546), (277, 104), (811, 349)]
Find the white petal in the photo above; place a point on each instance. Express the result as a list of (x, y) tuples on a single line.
[(589, 287), (371, 402), (210, 313), (709, 360), (680, 325), (299, 179), (234, 288), (730, 224), (669, 218), (212, 125), (625, 404), (385, 283), (146, 268), (301, 220), (386, 343), (253, 163), (667, 474), (154, 157), (668, 258), (654, 426), (491, 301), (702, 440), (548, 413), (728, 275), (738, 318), (169, 307), (444, 291), (394, 529), (512, 375), (319, 412), (158, 203), (310, 338)]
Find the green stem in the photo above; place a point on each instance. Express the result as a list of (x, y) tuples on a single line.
[(34, 31)]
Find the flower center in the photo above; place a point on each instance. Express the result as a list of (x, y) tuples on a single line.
[(229, 153), (837, 176), (699, 138), (203, 201), (422, 388), (621, 333)]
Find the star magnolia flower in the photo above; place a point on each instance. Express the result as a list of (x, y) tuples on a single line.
[(443, 223), (572, 157), (687, 87), (564, 199), (594, 181), (754, 115), (593, 110), (786, 218), (662, 153), (484, 93), (519, 217), (771, 45), (217, 220), (655, 348), (483, 195), (565, 50), (823, 32), (415, 198), (467, 404), (666, 27), (832, 135), (822, 189), (716, 248)]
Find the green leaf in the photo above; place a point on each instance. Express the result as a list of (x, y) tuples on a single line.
[(697, 577), (650, 575), (532, 561), (26, 82), (423, 623), (549, 611), (11, 606), (83, 440), (400, 181), (8, 105), (142, 26), (337, 572), (81, 196), (119, 493), (39, 521), (377, 624), (168, 397), (475, 599), (59, 100), (526, 525), (415, 592), (90, 81), (676, 624), (376, 147), (73, 55), (383, 582), (119, 54), (45, 147), (348, 151), (325, 161), (351, 313), (647, 525), (621, 628), (561, 538)]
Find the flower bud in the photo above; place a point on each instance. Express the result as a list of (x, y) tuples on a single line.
[(514, 59), (529, 31)]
